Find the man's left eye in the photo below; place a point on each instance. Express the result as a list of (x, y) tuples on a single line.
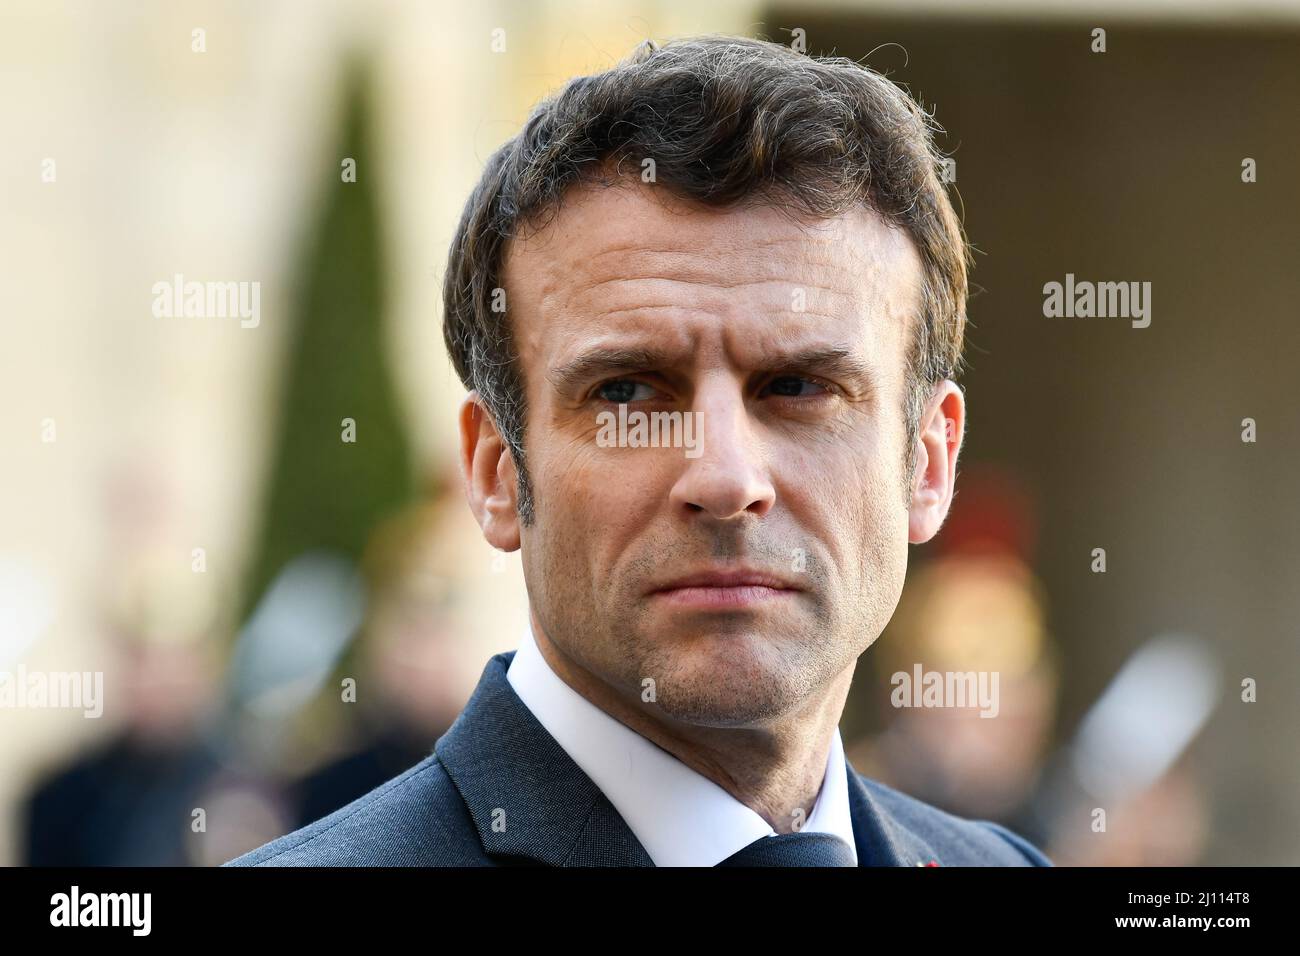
[(622, 391), (791, 386)]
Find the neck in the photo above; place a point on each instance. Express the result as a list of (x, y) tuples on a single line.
[(775, 769)]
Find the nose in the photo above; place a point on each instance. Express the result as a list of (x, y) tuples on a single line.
[(730, 475)]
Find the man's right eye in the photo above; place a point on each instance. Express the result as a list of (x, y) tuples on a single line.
[(622, 391)]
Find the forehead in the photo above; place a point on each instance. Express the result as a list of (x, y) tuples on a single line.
[(632, 258)]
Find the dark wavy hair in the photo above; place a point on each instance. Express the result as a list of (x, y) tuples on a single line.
[(727, 121)]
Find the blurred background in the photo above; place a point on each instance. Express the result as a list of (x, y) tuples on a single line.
[(254, 530)]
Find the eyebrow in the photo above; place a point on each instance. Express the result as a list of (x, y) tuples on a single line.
[(599, 362), (832, 361), (835, 361)]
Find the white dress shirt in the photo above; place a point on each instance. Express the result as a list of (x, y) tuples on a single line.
[(680, 816)]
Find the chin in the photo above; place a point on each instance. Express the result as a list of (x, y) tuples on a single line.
[(708, 708), (728, 680)]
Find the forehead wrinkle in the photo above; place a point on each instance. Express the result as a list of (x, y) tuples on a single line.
[(716, 253), (644, 279), (708, 282), (727, 235)]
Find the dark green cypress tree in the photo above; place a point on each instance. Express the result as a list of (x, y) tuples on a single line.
[(324, 492)]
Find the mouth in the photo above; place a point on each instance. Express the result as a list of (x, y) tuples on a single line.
[(725, 589)]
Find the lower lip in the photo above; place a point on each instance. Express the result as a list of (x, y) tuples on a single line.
[(745, 596)]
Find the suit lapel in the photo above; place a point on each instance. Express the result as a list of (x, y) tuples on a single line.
[(529, 801), (532, 804), (881, 840)]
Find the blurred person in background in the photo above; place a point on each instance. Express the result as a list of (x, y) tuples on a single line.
[(169, 786), (411, 680), (129, 800), (978, 606)]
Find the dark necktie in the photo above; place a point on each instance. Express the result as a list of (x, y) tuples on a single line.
[(794, 849)]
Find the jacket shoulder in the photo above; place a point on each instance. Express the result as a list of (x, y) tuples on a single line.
[(416, 819), (959, 841)]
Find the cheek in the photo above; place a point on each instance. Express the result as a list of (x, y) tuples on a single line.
[(850, 498), (885, 536), (593, 501)]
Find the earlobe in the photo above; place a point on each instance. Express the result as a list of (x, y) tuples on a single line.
[(488, 474), (940, 435)]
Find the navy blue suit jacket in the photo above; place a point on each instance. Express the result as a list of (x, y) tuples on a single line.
[(498, 764)]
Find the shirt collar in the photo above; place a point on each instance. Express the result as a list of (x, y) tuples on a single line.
[(680, 816)]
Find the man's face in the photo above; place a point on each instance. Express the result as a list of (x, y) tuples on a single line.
[(789, 341)]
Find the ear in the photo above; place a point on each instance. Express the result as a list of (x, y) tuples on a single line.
[(488, 471), (939, 439)]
